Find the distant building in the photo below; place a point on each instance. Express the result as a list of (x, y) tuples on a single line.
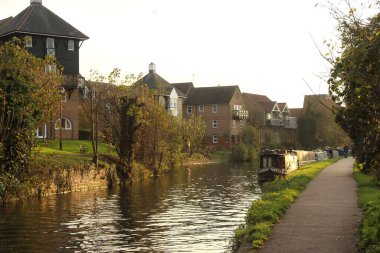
[(274, 120), (47, 34), (170, 96), (317, 126), (223, 110)]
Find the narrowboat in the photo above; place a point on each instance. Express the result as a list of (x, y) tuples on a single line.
[(277, 163)]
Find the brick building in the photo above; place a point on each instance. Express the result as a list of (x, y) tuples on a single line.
[(223, 110), (277, 127)]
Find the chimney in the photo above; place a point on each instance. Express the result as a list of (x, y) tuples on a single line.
[(35, 1), (152, 68)]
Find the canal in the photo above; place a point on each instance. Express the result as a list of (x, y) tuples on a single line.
[(187, 210)]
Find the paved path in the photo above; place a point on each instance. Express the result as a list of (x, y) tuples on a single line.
[(324, 218)]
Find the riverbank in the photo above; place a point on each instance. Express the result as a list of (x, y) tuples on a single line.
[(277, 197), (55, 171), (368, 193)]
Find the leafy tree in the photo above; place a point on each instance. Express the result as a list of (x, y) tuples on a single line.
[(28, 95), (95, 101), (307, 129), (193, 132), (160, 138), (355, 84)]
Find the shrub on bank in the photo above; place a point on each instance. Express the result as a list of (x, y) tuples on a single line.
[(244, 153), (277, 196), (369, 201)]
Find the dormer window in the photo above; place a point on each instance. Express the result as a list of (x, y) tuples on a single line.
[(50, 47), (70, 45), (28, 41)]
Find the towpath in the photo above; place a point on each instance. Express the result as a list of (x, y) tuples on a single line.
[(324, 218)]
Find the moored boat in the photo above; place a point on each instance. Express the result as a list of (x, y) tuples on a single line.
[(277, 163)]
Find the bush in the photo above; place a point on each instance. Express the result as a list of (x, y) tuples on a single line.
[(244, 153), (369, 201), (240, 153)]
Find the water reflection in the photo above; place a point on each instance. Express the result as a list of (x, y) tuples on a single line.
[(187, 210)]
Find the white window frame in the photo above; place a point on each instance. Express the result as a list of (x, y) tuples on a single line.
[(214, 123), (237, 107), (214, 108), (172, 102), (189, 109), (70, 45), (233, 123), (42, 135), (50, 46), (201, 108), (215, 138), (28, 41), (67, 126)]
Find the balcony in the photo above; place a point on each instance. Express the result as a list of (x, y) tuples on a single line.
[(240, 114), (275, 122)]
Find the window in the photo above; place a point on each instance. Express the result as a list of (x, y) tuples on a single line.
[(70, 45), (50, 68), (172, 102), (214, 138), (201, 108), (267, 162), (28, 41), (241, 123), (66, 124), (214, 124), (173, 106), (41, 132), (233, 123), (214, 108), (237, 107), (50, 48), (189, 109)]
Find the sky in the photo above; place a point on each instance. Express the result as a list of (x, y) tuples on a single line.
[(267, 47)]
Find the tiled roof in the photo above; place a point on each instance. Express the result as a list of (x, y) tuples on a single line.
[(4, 22), (155, 82), (185, 88), (211, 95), (267, 106), (296, 112), (257, 98), (258, 102), (37, 19)]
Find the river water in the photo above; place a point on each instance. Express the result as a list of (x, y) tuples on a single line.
[(187, 210)]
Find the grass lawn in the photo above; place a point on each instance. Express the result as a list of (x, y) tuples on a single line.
[(369, 201), (49, 149), (276, 198)]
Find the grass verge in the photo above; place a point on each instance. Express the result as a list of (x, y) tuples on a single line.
[(369, 201), (70, 153), (277, 196)]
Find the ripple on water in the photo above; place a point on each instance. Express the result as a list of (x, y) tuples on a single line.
[(179, 212)]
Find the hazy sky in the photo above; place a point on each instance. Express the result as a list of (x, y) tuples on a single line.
[(264, 46)]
